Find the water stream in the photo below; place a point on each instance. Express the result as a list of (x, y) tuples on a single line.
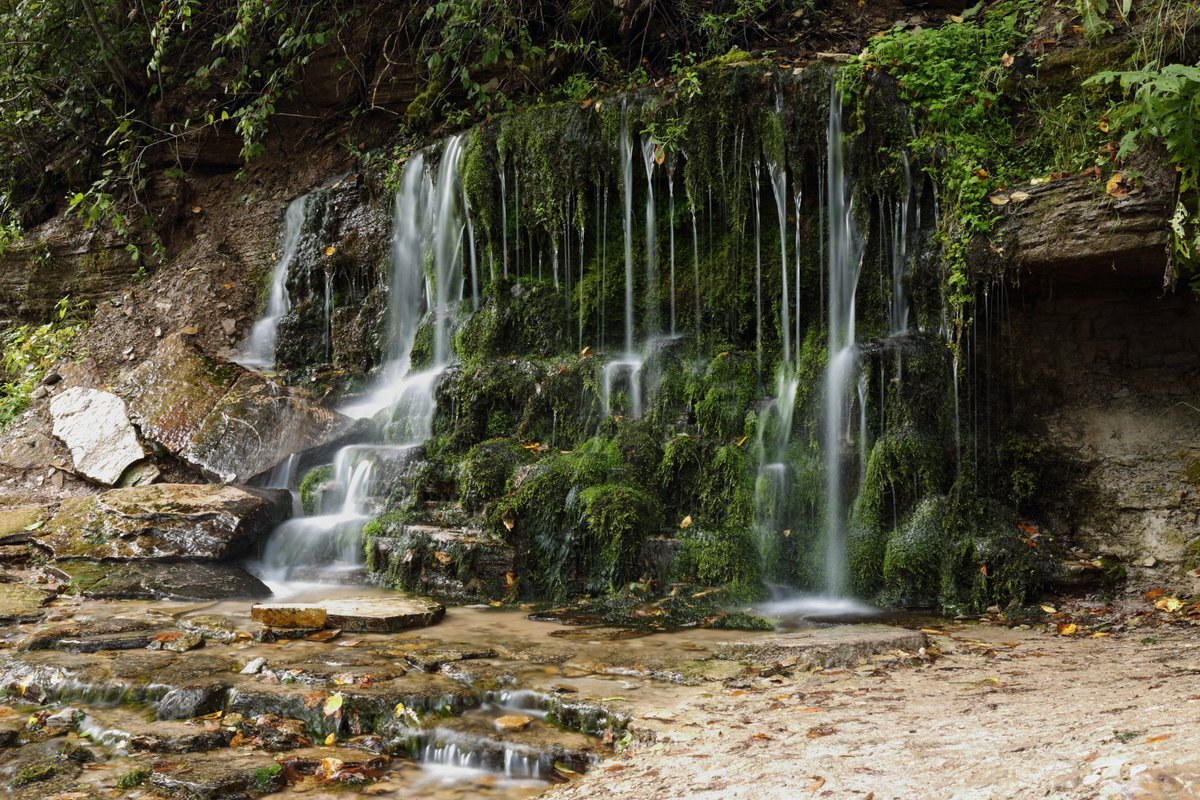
[(258, 351)]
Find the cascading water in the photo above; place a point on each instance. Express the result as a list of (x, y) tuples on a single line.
[(844, 265), (258, 352), (429, 222), (630, 362)]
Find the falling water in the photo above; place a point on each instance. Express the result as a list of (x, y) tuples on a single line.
[(649, 157), (845, 263), (503, 217), (778, 175), (899, 254), (758, 315), (696, 268), (327, 327), (428, 225), (259, 349)]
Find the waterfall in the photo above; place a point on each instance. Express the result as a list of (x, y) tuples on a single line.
[(503, 217), (428, 226), (778, 174), (898, 315), (758, 314), (258, 352), (649, 156), (844, 265)]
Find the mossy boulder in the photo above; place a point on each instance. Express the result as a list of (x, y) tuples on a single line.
[(154, 580)]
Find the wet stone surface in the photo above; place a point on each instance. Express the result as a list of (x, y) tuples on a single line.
[(173, 699)]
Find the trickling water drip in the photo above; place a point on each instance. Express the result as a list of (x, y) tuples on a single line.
[(517, 212), (649, 156), (845, 263), (696, 268), (259, 349), (328, 326), (899, 254), (503, 217), (671, 216), (758, 327), (778, 175), (627, 190), (631, 368), (799, 197), (466, 205)]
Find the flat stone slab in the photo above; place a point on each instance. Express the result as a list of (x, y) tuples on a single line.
[(836, 646), (95, 427), (289, 615), (164, 521), (353, 614), (20, 603), (155, 580), (382, 614)]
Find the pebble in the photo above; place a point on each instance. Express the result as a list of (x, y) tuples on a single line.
[(255, 666)]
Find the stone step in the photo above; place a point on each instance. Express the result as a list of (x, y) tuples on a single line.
[(125, 730), (354, 614), (836, 646)]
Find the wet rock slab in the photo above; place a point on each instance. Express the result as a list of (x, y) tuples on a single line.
[(836, 646), (353, 614), (154, 580), (164, 521), (222, 418), (221, 775), (21, 603)]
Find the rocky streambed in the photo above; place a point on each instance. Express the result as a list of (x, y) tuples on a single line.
[(353, 689)]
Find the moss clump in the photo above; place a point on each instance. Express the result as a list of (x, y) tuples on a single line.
[(311, 487), (525, 317), (266, 778), (35, 773), (485, 472), (723, 557), (618, 518), (133, 778), (914, 555)]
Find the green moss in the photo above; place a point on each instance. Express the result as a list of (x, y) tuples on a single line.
[(35, 773), (913, 561), (266, 778), (311, 487), (484, 473), (133, 778), (1191, 555), (723, 557), (1191, 473)]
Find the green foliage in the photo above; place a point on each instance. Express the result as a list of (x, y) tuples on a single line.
[(30, 350), (485, 472), (1163, 104)]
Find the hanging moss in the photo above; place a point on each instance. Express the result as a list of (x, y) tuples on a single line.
[(619, 517), (311, 487), (915, 557), (525, 317)]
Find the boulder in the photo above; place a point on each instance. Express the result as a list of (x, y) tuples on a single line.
[(225, 420), (95, 427), (158, 580), (164, 521)]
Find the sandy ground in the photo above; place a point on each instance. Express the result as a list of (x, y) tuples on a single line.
[(1000, 714)]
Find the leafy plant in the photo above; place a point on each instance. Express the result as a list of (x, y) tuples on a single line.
[(31, 350), (1164, 104)]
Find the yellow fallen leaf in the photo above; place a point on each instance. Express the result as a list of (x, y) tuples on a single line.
[(816, 783), (1049, 609), (333, 705), (330, 740), (330, 250), (443, 558), (687, 522), (585, 351), (1100, 634), (1018, 196), (742, 441), (999, 199), (1068, 629), (1169, 604)]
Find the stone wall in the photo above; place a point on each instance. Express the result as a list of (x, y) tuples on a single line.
[(1106, 380)]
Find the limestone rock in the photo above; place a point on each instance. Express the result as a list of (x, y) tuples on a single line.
[(222, 418), (836, 646), (415, 557), (95, 427), (154, 580), (164, 521), (512, 723), (220, 775)]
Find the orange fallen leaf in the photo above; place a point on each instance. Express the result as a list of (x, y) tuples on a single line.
[(816, 783), (1160, 737)]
